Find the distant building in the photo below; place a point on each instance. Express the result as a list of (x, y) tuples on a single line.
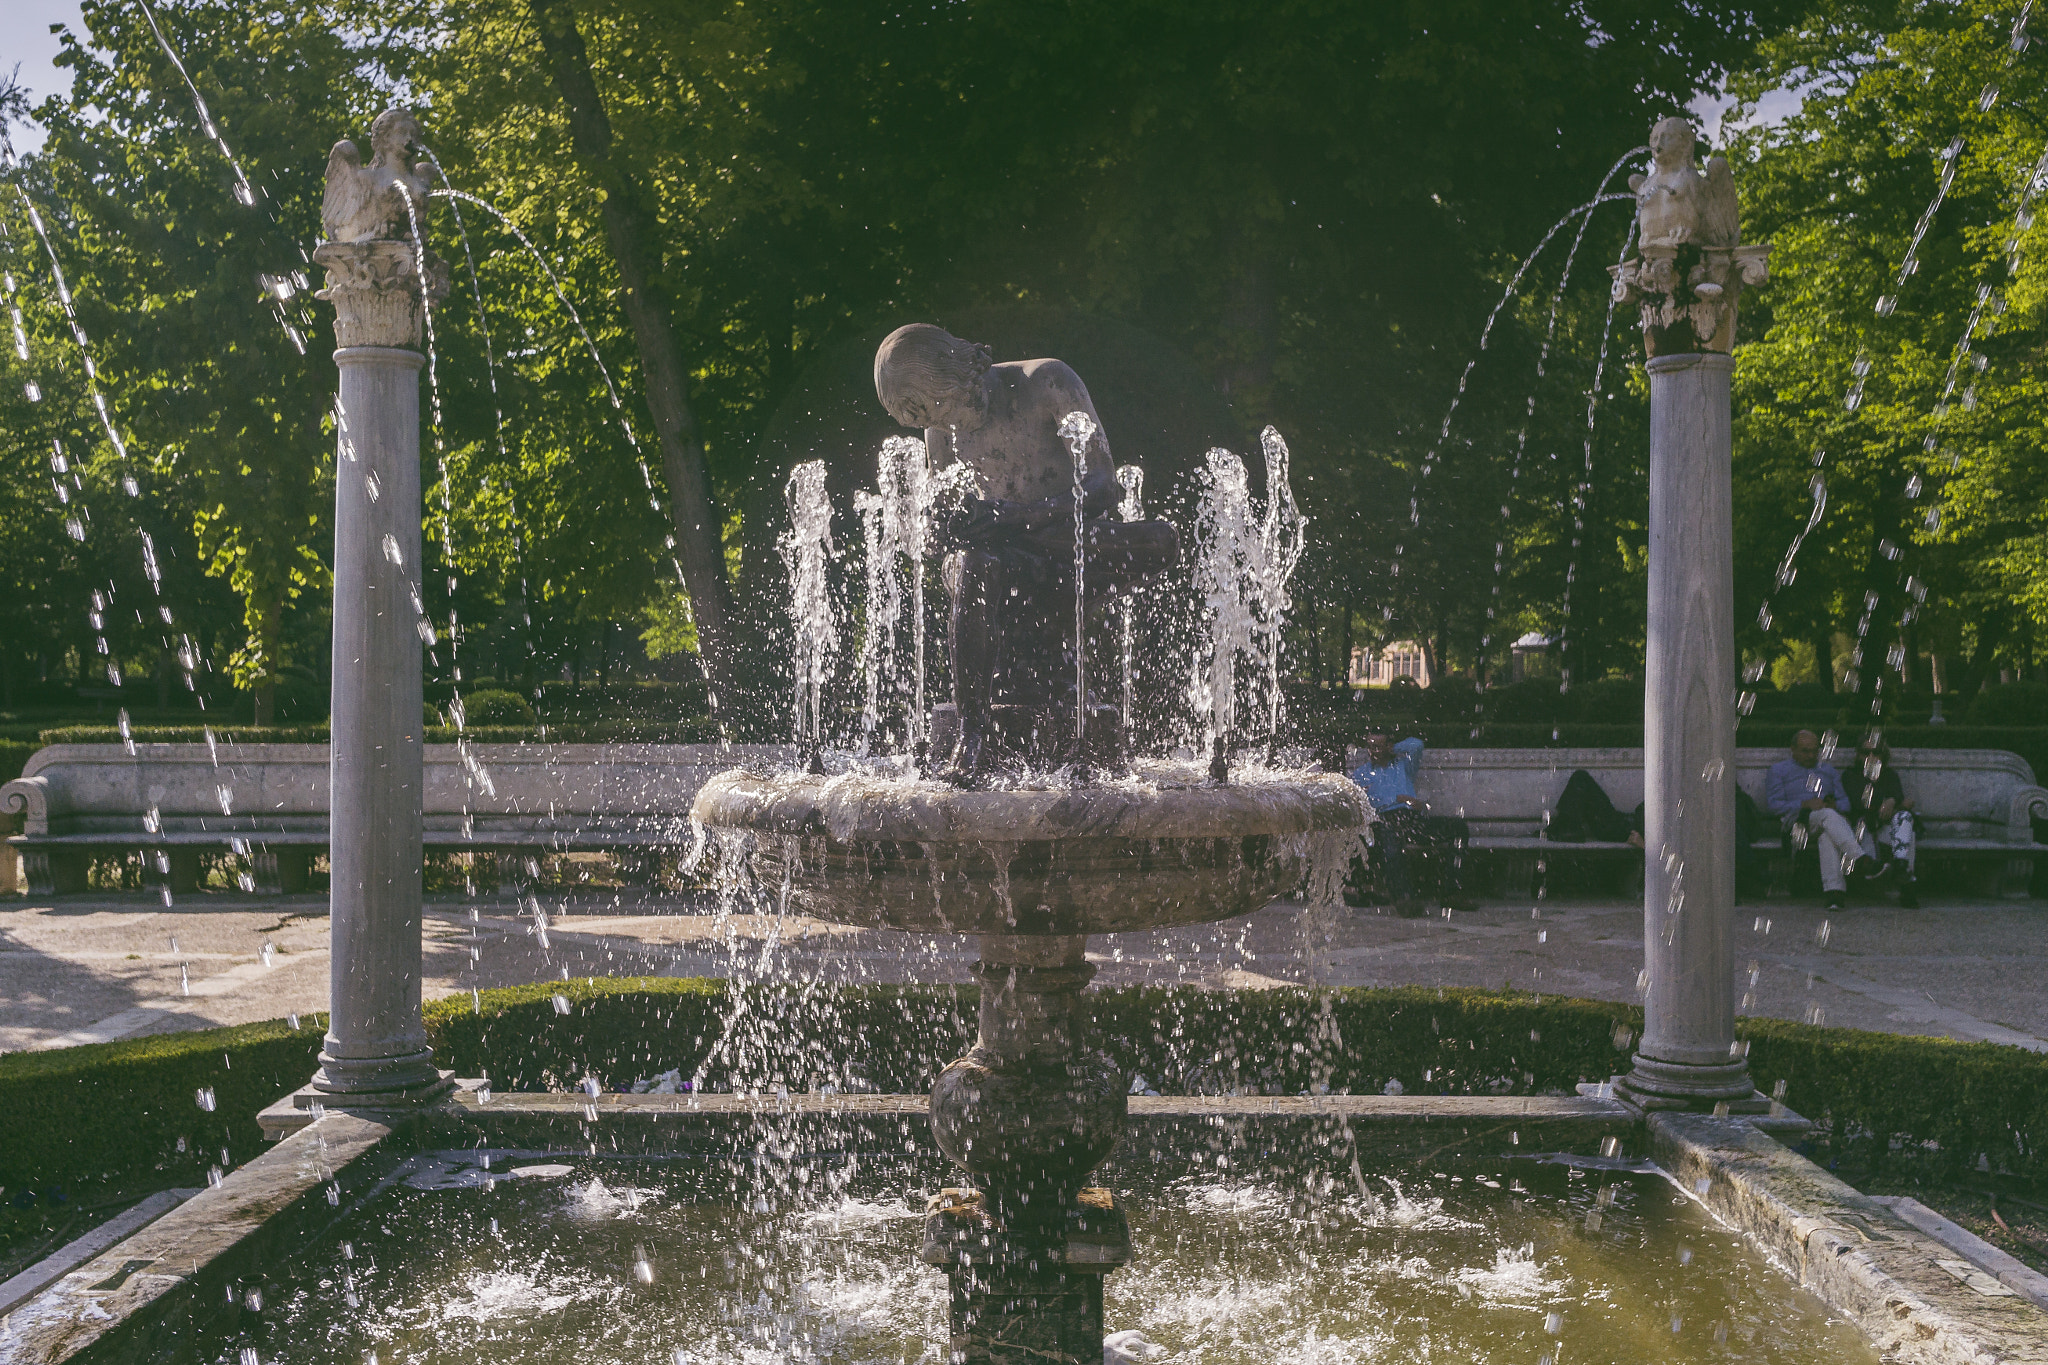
[(1530, 657), (1397, 659)]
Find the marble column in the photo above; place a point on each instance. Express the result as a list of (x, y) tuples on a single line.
[(1686, 279), (376, 1046), (1689, 746)]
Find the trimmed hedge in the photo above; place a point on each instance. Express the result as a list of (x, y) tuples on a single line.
[(115, 1111), (14, 756), (1865, 1088)]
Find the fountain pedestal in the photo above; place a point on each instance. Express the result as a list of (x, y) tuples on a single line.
[(1030, 1112)]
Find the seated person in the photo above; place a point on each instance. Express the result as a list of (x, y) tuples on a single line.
[(1405, 825), (1010, 564), (1808, 798), (1884, 817)]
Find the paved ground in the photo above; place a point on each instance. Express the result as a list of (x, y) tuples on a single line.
[(110, 965)]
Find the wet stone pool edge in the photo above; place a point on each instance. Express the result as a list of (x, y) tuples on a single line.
[(158, 1294), (1849, 1249)]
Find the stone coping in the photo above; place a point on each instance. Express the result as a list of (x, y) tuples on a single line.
[(1853, 1251)]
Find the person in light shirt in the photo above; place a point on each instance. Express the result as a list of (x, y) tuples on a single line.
[(1405, 826), (1804, 792)]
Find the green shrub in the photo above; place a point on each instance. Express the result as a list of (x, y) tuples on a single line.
[(2017, 703), (1883, 1090), (14, 755), (1532, 699), (118, 1112), (1870, 1088), (497, 707)]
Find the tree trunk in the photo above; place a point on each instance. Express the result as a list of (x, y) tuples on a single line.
[(269, 627), (630, 228), (1824, 659)]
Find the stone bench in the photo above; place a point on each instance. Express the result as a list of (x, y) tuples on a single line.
[(1976, 808), (79, 801), (268, 802)]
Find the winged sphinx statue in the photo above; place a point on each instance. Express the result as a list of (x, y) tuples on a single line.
[(368, 203), (377, 275), (1691, 264)]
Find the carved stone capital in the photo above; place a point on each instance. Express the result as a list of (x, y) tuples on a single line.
[(1687, 294), (375, 288)]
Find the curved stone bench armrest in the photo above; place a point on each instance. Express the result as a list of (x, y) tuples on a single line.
[(29, 797), (2027, 802)]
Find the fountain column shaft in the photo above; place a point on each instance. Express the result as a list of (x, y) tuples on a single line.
[(1689, 744), (375, 1039)]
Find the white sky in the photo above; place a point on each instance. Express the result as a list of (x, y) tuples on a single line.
[(26, 42), (1775, 107)]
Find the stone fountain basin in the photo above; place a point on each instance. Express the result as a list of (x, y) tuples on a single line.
[(1164, 847)]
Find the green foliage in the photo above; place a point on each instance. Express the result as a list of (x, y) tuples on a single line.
[(498, 708), (114, 1112), (117, 1112), (1880, 1088), (2021, 703), (14, 754), (1922, 415)]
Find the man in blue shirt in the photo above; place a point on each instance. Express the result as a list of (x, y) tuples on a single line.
[(1807, 795), (1405, 824)]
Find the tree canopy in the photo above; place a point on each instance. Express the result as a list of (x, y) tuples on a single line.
[(1312, 206)]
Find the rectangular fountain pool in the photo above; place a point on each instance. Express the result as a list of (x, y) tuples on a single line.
[(1281, 1257)]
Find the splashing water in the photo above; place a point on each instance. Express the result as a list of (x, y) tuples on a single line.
[(1514, 285), (1077, 429), (1283, 535), (1585, 484), (278, 289), (1130, 508), (806, 549), (884, 605), (1522, 439), (1227, 571)]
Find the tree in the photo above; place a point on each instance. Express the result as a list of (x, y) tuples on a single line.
[(1916, 394)]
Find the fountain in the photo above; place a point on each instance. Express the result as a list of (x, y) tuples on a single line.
[(1030, 863), (1019, 813)]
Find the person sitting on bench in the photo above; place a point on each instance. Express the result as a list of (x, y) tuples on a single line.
[(1884, 817), (1405, 826), (1807, 797)]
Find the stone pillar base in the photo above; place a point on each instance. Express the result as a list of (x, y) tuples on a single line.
[(1651, 1084), (387, 1081), (1026, 1298)]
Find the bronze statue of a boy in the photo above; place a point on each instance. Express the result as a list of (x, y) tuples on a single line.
[(1009, 568)]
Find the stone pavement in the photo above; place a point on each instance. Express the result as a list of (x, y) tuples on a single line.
[(111, 965)]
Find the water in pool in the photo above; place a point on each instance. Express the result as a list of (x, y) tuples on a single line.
[(681, 1262)]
